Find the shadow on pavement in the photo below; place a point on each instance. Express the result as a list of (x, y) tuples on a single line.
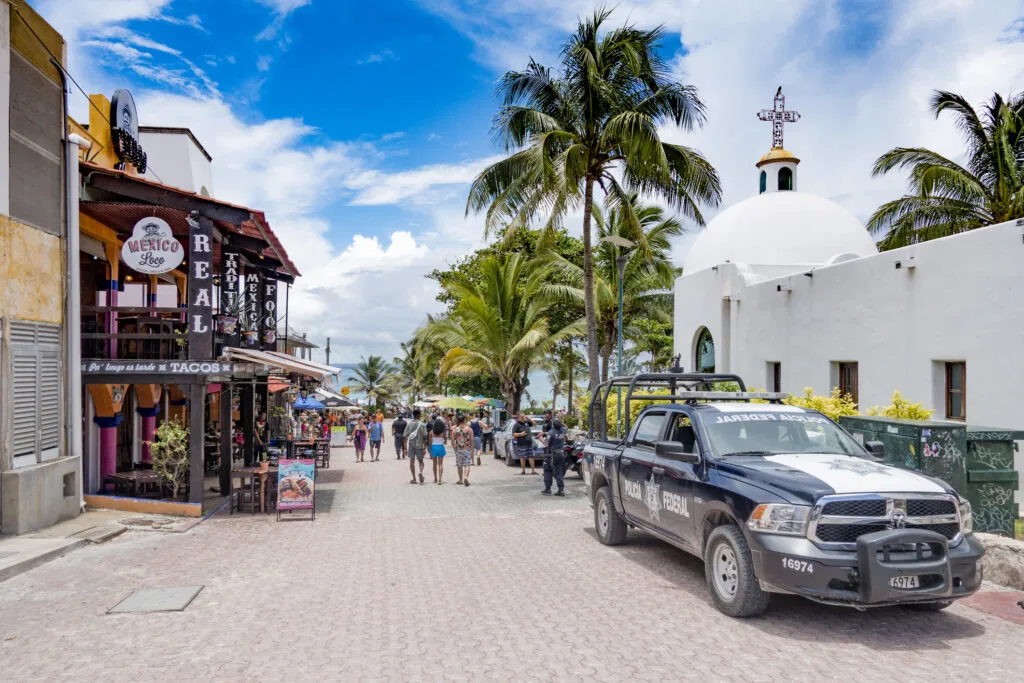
[(795, 618)]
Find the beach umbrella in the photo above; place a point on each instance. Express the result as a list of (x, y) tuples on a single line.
[(457, 403)]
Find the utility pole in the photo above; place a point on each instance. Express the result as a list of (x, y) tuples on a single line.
[(328, 351)]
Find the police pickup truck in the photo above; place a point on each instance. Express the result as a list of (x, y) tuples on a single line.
[(775, 499)]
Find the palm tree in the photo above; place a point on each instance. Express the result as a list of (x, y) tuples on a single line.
[(499, 325), (647, 278), (413, 376), (372, 377), (594, 123), (947, 198)]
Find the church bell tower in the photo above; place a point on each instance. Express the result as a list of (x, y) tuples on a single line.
[(777, 168)]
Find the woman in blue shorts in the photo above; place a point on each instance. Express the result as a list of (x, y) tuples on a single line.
[(438, 439)]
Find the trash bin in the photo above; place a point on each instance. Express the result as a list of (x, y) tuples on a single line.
[(991, 478), (976, 461)]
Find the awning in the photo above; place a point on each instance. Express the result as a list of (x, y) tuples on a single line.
[(332, 399), (274, 386), (278, 360), (329, 369)]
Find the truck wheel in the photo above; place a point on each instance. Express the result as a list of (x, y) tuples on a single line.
[(611, 528), (730, 574), (936, 606)]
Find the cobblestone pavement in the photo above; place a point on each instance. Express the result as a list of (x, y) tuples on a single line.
[(491, 582)]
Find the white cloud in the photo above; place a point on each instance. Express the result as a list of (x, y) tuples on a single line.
[(432, 137), (263, 63), (281, 10), (425, 185), (388, 137), (378, 57)]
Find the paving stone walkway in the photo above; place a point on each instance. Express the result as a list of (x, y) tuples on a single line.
[(420, 583)]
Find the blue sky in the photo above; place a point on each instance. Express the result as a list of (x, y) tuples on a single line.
[(357, 126)]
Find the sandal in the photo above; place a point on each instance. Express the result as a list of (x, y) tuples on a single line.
[(421, 478), (413, 481), (466, 483)]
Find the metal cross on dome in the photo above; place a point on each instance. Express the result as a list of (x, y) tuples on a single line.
[(778, 116)]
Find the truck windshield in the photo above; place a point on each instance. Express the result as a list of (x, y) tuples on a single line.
[(767, 432)]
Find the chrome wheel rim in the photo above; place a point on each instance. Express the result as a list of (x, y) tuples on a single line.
[(725, 570), (602, 517)]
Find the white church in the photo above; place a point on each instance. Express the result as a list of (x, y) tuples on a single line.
[(788, 290)]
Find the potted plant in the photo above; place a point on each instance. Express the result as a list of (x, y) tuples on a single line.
[(227, 320), (250, 335), (170, 455)]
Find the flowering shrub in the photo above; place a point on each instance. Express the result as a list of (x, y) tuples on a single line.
[(902, 408), (834, 405)]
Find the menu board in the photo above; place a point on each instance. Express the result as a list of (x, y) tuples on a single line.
[(295, 484)]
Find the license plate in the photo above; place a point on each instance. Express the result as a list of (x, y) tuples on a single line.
[(905, 582)]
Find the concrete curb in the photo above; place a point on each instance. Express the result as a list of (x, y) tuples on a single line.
[(33, 560)]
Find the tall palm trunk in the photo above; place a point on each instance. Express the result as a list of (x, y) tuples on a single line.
[(572, 377), (589, 303)]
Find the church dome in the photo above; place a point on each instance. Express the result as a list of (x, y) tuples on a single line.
[(779, 229), (777, 154)]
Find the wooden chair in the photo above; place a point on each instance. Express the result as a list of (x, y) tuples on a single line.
[(246, 493), (322, 453)]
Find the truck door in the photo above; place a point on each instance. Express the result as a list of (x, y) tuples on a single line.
[(678, 482), (639, 489)]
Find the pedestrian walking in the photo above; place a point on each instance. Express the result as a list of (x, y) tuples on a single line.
[(350, 428), (262, 437), (415, 437), (397, 433), (359, 435), (487, 435), (376, 429), (463, 443), (523, 435), (478, 437), (438, 439), (554, 462)]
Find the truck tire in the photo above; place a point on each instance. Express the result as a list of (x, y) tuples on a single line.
[(936, 606), (730, 574), (611, 528)]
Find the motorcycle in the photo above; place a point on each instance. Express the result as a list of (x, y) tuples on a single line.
[(574, 457)]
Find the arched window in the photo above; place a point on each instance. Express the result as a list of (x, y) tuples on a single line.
[(764, 181), (704, 360), (785, 178)]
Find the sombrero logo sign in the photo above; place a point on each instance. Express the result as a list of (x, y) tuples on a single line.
[(152, 248)]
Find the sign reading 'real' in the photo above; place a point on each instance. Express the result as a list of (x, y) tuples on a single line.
[(152, 248)]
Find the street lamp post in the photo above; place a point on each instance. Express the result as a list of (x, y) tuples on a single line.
[(625, 245)]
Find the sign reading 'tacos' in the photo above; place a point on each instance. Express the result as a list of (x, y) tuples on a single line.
[(152, 248)]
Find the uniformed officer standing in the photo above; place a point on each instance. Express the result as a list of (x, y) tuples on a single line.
[(554, 461)]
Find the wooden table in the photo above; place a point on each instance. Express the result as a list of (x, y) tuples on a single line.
[(264, 476), (290, 445), (133, 481)]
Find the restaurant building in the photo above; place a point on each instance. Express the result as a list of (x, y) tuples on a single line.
[(39, 467), (179, 313)]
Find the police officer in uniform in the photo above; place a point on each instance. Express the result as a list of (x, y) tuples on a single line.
[(554, 461)]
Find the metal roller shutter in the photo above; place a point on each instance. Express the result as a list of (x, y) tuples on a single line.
[(36, 391)]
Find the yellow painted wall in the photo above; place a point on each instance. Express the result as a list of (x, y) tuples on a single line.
[(31, 270), (26, 25)]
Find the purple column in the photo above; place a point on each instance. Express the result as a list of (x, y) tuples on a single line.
[(148, 429), (108, 445)]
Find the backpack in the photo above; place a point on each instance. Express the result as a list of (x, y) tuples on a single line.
[(438, 427), (419, 437)]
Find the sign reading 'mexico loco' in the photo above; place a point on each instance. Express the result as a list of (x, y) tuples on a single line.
[(152, 248), (121, 367), (200, 289)]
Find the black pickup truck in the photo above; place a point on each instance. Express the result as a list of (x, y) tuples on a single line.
[(775, 499)]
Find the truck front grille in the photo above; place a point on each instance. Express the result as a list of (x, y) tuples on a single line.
[(838, 521)]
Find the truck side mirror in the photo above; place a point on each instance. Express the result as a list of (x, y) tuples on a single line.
[(876, 448), (673, 450)]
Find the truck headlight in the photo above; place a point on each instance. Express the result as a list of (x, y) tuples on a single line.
[(778, 518), (966, 516)]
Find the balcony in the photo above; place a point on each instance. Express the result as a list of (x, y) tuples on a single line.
[(134, 333)]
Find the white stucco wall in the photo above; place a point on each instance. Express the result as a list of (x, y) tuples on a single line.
[(175, 160), (963, 301)]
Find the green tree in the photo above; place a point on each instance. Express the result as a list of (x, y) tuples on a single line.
[(499, 326), (412, 378), (947, 198), (594, 123), (647, 278), (372, 377), (653, 337)]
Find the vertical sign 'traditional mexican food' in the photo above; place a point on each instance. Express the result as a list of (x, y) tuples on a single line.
[(268, 322), (253, 309)]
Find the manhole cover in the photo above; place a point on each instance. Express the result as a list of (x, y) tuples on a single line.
[(157, 600)]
